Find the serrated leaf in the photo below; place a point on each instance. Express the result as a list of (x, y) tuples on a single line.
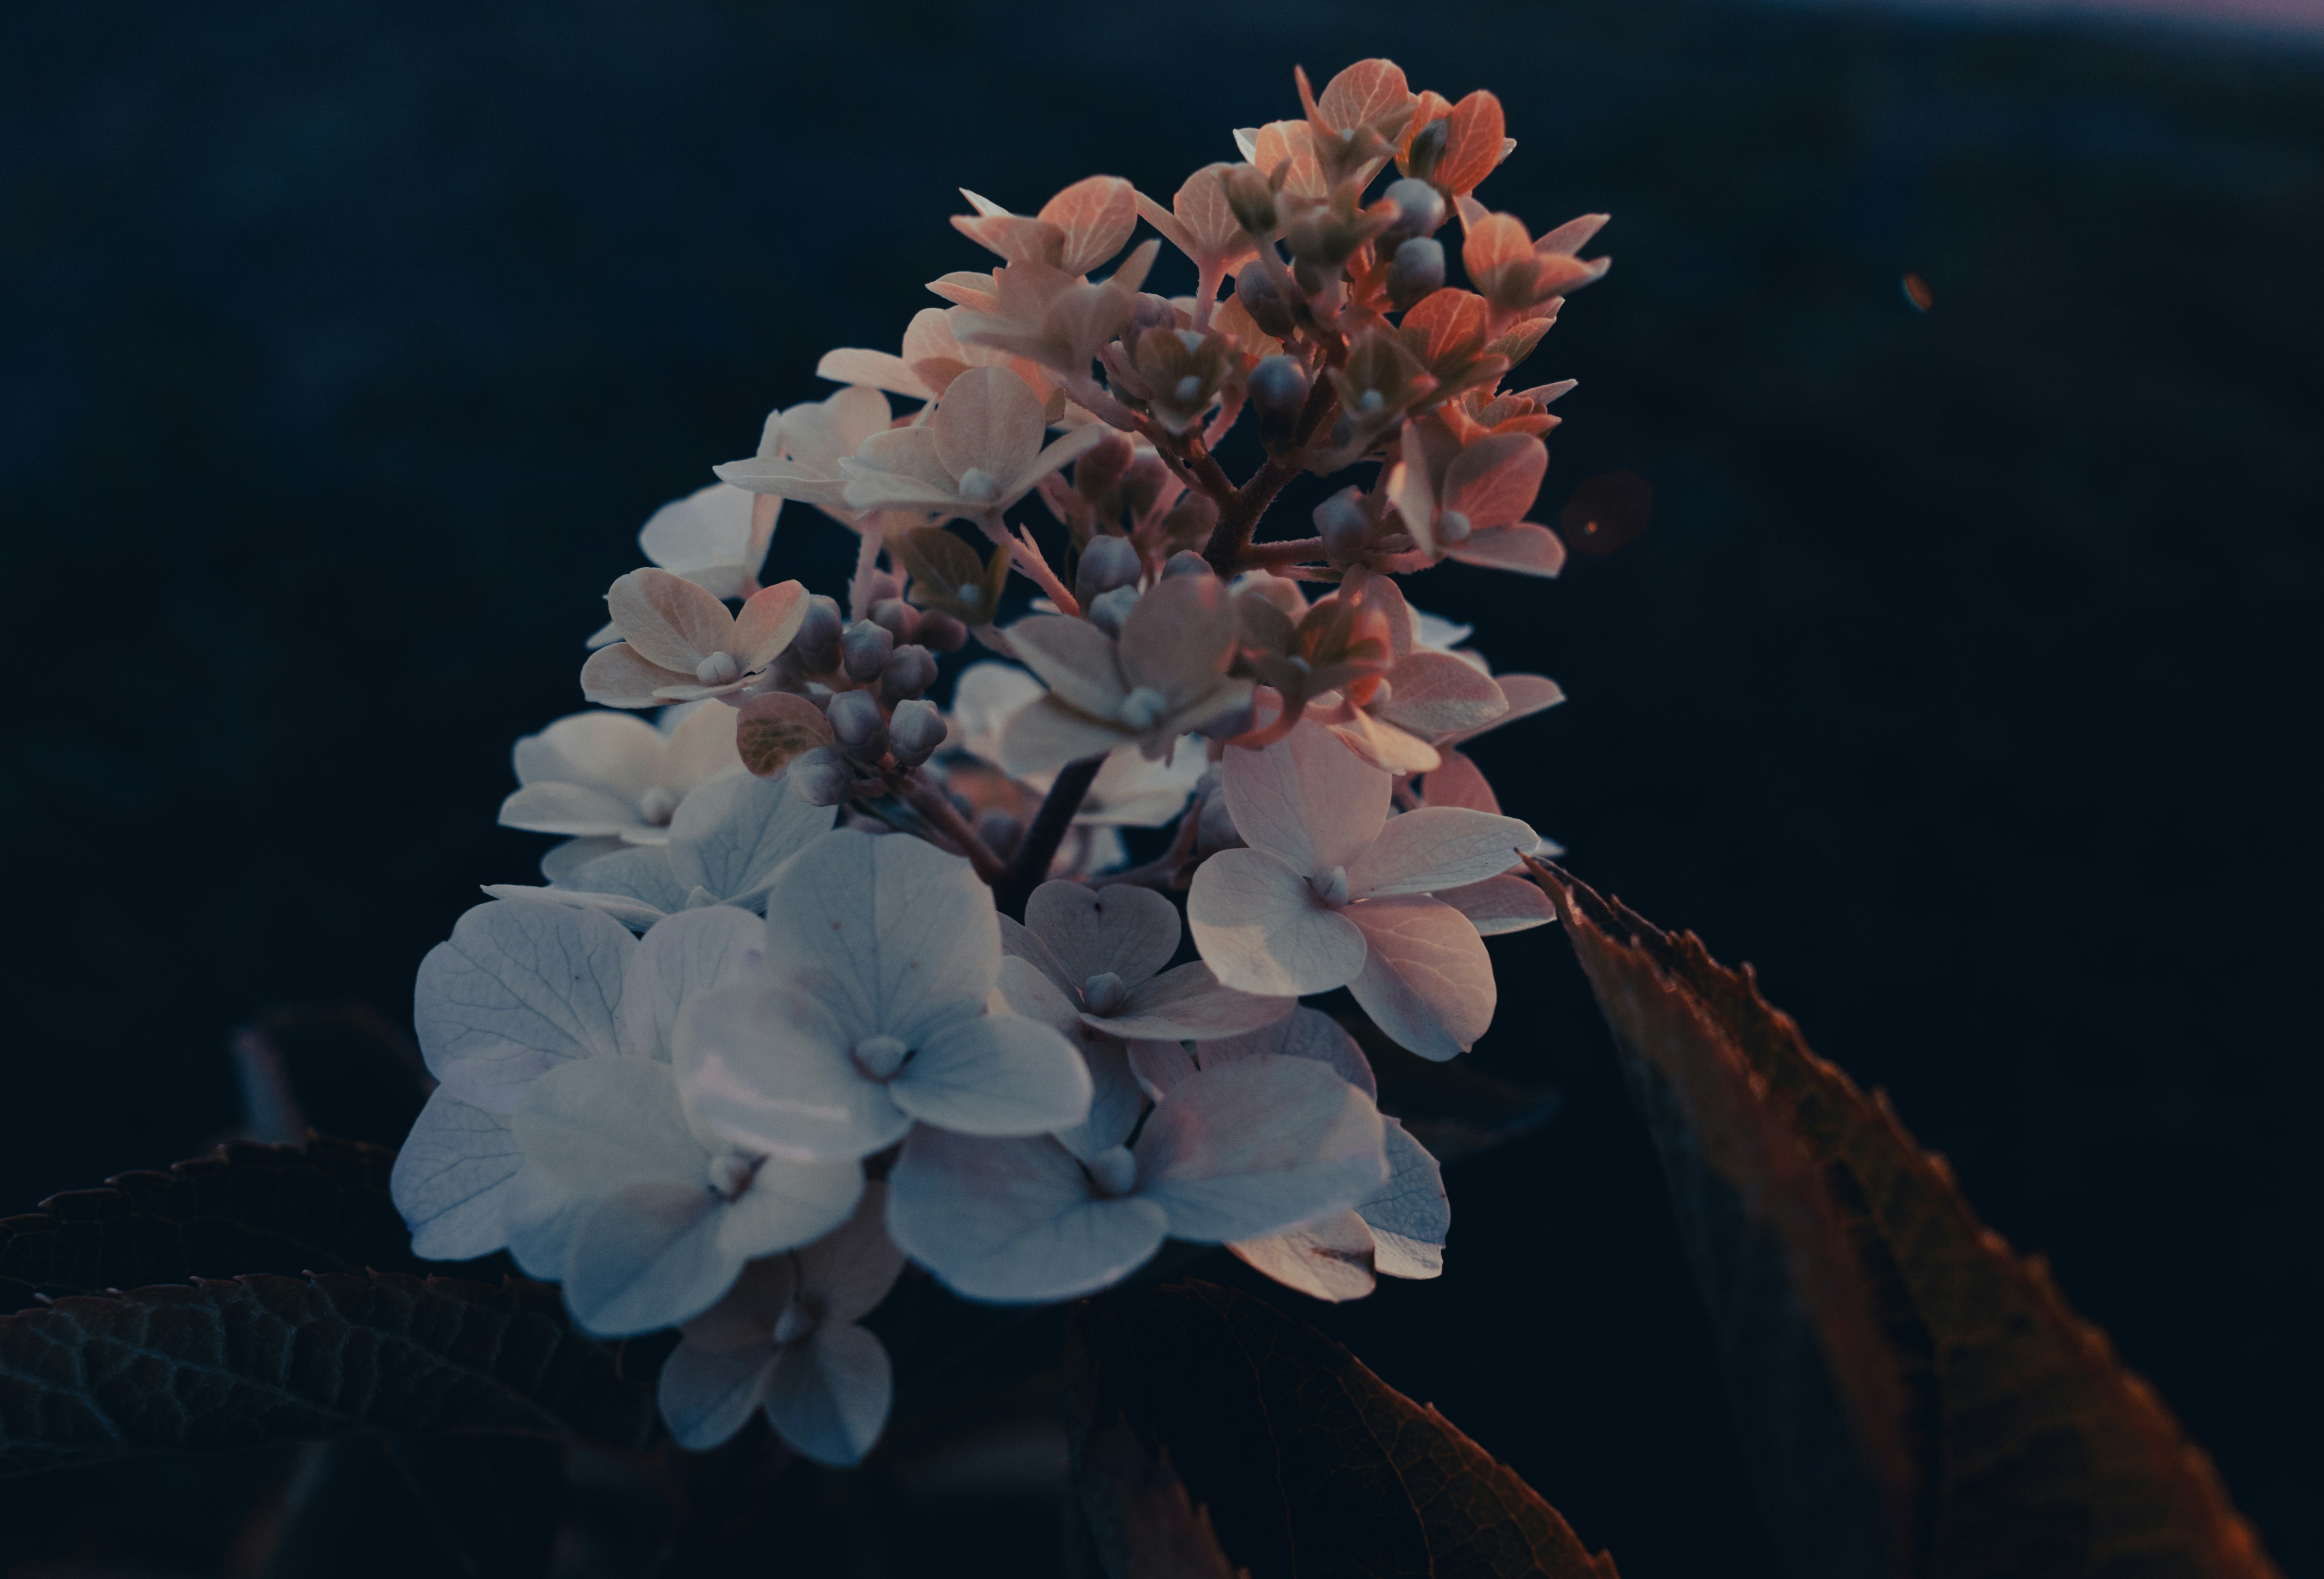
[(1914, 1397), (248, 1208), (1306, 1464), (220, 1366)]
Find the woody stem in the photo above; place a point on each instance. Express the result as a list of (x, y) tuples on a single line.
[(914, 788), (1030, 864)]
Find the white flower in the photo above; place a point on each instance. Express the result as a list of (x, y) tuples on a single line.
[(612, 775), (726, 841), (1333, 892), (799, 452), (1130, 790), (557, 1131), (979, 453), (882, 952), (1233, 1154), (785, 1340), (1087, 959), (1397, 1231), (715, 537), (680, 644)]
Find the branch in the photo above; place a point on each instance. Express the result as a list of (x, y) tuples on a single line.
[(1030, 866), (915, 789)]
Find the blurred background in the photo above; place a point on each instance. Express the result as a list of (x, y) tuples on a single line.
[(1966, 682)]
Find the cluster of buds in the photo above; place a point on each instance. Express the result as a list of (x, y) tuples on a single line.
[(828, 980)]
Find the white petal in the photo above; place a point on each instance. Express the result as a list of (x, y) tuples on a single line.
[(617, 752), (518, 990), (1306, 798), (1501, 904), (1046, 735), (1261, 929), (573, 809), (635, 915), (1410, 1215), (1259, 1146), (1013, 1220), (745, 1318), (1327, 1260), (1189, 1003), (787, 1205), (996, 1075), (1307, 1033), (598, 1126), (1438, 846), (647, 1257), (902, 934), (730, 834), (451, 1179), (828, 1396), (687, 953), (1061, 1004), (1427, 981), (987, 420), (850, 1269), (710, 526), (1133, 791), (618, 677), (666, 620), (1161, 1066), (1074, 659), (984, 698), (1129, 930), (706, 1396), (561, 860), (642, 874), (701, 745), (1114, 1105), (766, 1064)]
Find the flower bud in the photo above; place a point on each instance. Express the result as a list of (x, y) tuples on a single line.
[(862, 727), (880, 585), (1277, 391), (1251, 198), (1345, 526), (941, 633), (1185, 562), (1109, 609), (1452, 527), (1258, 295), (1428, 146), (1148, 311), (915, 732), (863, 650), (1418, 269), (820, 777), (1106, 563), (897, 618), (1000, 832), (817, 641), (1420, 209), (909, 671)]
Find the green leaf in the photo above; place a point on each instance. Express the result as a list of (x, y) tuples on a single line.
[(1914, 1397), (248, 1208), (226, 1365), (1306, 1464)]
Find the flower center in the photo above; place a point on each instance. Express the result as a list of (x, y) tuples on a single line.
[(718, 669), (796, 1322), (1143, 708), (1105, 993), (880, 1057), (1331, 888), (979, 487), (1452, 527), (731, 1173), (1114, 1171), (970, 592), (657, 805), (1189, 387)]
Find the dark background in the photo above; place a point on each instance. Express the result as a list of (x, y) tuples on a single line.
[(1966, 682)]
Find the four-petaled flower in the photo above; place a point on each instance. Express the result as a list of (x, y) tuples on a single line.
[(977, 455), (680, 644), (613, 777)]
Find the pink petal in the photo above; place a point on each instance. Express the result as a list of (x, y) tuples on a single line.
[(1046, 735), (1307, 800), (988, 422), (1330, 1260), (1434, 693), (1427, 981), (1262, 928), (1438, 846), (1525, 548), (1189, 1003), (1307, 1033), (876, 369), (1456, 782), (1130, 931), (1257, 1147), (1074, 659), (1501, 904), (850, 1269), (766, 623), (1494, 481), (1180, 638), (1096, 215), (668, 620)]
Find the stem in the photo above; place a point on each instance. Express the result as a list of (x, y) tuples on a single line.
[(867, 563), (914, 788), (1166, 870), (1027, 558), (1030, 866), (1291, 552)]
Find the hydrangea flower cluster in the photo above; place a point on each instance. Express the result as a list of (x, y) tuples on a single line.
[(825, 980)]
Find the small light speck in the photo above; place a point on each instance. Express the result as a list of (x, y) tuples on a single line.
[(1917, 293)]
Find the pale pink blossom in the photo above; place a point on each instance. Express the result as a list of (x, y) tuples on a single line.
[(680, 644), (978, 454), (613, 775)]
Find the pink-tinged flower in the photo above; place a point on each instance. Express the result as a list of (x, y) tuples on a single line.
[(1132, 790), (1333, 892), (615, 776), (1200, 223), (882, 954), (1164, 677), (680, 644), (1076, 231), (977, 456), (932, 356), (1514, 272), (1397, 1231), (1055, 319), (800, 451), (1469, 503), (1089, 960), (715, 537), (1397, 719), (1233, 1154), (1470, 146), (784, 1341)]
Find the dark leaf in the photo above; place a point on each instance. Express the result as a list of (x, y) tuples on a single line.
[(465, 1505), (1305, 1464), (1914, 1397), (226, 1365), (1606, 512), (323, 1207)]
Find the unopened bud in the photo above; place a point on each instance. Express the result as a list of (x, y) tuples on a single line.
[(880, 585), (1000, 832), (1428, 146), (897, 618), (817, 641), (718, 669), (1345, 526), (909, 671), (1106, 563), (820, 777), (1108, 610), (1277, 391), (1259, 298), (863, 650), (915, 731), (940, 632), (1452, 527), (1251, 199), (1148, 311), (1420, 209), (1185, 562), (1190, 522), (1418, 269), (855, 717)]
